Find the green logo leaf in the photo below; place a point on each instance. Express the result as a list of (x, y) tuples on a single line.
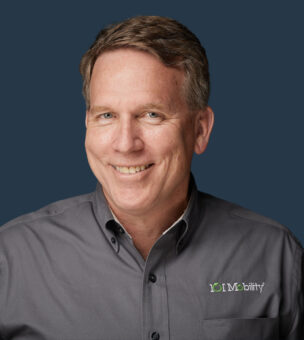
[(217, 287)]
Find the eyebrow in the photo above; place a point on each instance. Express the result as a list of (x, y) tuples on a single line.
[(148, 106), (153, 106), (97, 109)]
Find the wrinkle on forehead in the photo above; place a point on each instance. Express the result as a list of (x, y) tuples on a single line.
[(135, 71)]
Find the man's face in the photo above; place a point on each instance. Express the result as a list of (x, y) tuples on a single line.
[(140, 133)]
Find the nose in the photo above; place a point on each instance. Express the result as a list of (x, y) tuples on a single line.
[(127, 136)]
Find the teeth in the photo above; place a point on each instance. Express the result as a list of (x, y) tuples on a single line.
[(131, 169)]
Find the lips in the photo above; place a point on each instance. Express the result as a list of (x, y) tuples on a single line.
[(132, 169)]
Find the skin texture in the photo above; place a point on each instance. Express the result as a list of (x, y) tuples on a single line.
[(139, 116)]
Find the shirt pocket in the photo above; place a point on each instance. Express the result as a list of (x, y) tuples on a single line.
[(241, 329)]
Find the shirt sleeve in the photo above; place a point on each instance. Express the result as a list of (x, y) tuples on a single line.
[(297, 328)]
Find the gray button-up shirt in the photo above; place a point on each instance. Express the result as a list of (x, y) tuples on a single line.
[(69, 272)]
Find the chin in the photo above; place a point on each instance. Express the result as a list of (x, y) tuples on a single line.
[(131, 207), (131, 203), (130, 197)]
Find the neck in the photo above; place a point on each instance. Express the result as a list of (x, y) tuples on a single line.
[(146, 227)]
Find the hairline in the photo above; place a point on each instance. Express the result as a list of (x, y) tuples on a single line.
[(185, 86)]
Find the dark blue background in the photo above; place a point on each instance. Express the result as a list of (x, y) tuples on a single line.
[(256, 53)]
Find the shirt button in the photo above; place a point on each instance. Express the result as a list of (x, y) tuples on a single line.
[(120, 230), (155, 336), (153, 279), (113, 240)]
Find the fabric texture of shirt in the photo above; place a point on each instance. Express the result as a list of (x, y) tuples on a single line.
[(69, 272)]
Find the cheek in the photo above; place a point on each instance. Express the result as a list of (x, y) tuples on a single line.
[(96, 141), (89, 144), (172, 151), (180, 143)]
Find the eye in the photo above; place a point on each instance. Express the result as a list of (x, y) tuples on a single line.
[(153, 115), (106, 115)]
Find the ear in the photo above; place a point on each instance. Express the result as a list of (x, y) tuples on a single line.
[(204, 123), (86, 119)]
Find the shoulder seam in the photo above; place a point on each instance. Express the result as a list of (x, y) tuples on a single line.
[(231, 208), (54, 213), (273, 224)]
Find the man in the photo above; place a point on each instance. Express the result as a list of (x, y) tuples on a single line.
[(147, 256)]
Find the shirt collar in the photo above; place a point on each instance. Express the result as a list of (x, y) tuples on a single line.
[(190, 217), (104, 216), (117, 221), (183, 227)]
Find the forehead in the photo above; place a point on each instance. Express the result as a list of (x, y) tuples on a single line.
[(128, 71)]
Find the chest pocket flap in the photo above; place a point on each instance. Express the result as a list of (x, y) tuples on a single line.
[(241, 329)]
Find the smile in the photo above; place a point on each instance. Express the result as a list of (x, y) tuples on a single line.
[(131, 169)]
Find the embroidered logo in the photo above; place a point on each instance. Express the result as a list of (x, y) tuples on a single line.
[(227, 287)]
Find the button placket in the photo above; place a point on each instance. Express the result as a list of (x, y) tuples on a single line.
[(155, 336), (120, 230), (155, 300), (114, 243), (152, 278)]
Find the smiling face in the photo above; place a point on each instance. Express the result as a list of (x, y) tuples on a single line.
[(140, 133)]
